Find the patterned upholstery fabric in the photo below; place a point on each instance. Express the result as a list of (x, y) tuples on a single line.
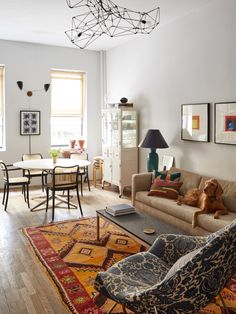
[(163, 188), (140, 282)]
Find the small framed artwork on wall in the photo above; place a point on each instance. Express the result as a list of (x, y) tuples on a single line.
[(195, 122), (225, 123), (30, 122)]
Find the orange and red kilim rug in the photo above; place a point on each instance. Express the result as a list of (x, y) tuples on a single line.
[(72, 257)]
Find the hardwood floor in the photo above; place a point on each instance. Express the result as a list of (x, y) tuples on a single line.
[(24, 285)]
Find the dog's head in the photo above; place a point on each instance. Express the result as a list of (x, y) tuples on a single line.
[(213, 189)]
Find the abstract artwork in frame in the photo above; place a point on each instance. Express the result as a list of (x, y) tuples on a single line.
[(30, 122), (225, 123), (195, 122)]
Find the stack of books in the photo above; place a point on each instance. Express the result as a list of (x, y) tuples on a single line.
[(120, 209)]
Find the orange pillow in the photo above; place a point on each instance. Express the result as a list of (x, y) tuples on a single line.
[(164, 188)]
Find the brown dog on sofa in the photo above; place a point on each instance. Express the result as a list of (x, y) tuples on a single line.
[(209, 200)]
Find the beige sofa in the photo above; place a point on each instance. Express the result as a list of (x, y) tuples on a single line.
[(181, 216)]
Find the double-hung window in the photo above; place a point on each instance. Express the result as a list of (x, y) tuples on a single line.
[(2, 99), (67, 106)]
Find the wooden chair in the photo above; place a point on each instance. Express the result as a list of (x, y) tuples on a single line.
[(83, 171), (63, 179), (35, 173), (13, 181), (97, 166)]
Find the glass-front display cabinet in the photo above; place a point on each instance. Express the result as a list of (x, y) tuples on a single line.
[(129, 129), (119, 146)]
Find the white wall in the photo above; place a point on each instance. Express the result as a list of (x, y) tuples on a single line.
[(191, 60), (31, 63)]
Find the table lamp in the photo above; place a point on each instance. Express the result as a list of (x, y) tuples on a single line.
[(153, 140)]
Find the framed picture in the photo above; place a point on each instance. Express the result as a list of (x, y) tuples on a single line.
[(30, 122), (195, 122), (225, 123)]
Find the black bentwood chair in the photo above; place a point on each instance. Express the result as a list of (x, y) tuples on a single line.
[(35, 173), (10, 181), (63, 179), (83, 170)]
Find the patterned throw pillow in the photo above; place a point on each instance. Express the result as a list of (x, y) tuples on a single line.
[(164, 188), (161, 175), (167, 176)]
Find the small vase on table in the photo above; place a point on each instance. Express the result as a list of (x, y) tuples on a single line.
[(54, 153), (54, 159)]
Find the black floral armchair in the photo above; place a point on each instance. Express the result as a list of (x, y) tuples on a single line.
[(179, 274)]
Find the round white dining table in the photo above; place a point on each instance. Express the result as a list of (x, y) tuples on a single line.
[(47, 164)]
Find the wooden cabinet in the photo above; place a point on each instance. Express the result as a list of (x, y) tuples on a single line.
[(119, 146)]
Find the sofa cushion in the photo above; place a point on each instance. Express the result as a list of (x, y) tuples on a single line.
[(168, 206), (167, 176), (229, 192), (161, 175), (185, 212), (190, 180), (164, 188)]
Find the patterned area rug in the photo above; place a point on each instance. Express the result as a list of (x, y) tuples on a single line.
[(72, 256), (229, 296)]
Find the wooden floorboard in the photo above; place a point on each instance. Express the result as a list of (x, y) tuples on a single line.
[(24, 284)]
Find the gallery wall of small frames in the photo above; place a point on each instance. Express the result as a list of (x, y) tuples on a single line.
[(195, 122)]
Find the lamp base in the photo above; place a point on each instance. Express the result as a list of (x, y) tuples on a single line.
[(152, 161)]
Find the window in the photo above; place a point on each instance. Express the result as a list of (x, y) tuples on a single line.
[(2, 99), (67, 106)]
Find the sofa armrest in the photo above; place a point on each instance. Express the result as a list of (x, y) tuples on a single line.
[(170, 247), (141, 182)]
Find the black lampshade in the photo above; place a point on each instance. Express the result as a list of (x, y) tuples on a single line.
[(153, 139), (46, 87), (20, 84)]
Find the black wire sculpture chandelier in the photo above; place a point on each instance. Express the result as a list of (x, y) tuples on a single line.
[(104, 17)]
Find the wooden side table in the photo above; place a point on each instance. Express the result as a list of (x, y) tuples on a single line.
[(97, 167)]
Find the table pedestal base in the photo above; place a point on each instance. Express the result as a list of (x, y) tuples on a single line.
[(57, 197)]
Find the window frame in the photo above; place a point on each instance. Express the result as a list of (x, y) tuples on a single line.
[(70, 74), (2, 105)]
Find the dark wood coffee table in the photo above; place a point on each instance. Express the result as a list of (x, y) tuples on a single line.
[(134, 224)]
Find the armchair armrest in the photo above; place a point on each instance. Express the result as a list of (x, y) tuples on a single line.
[(10, 167), (170, 247), (141, 182)]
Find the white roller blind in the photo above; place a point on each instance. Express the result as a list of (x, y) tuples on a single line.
[(67, 93), (1, 90)]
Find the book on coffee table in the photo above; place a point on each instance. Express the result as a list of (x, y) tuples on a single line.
[(120, 209)]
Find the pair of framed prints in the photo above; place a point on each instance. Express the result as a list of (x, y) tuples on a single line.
[(196, 122)]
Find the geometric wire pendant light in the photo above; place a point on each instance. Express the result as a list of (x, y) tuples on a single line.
[(104, 17)]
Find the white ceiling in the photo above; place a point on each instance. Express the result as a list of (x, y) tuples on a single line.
[(44, 21)]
